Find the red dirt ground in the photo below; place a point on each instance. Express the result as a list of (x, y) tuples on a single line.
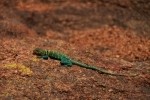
[(111, 34)]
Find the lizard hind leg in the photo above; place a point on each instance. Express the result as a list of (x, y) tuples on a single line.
[(66, 62)]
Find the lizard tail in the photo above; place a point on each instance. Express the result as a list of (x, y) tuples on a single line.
[(101, 70)]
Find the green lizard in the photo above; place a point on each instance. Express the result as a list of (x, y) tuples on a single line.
[(67, 61)]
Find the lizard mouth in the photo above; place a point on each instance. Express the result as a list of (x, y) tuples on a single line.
[(36, 51)]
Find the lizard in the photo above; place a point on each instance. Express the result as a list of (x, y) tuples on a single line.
[(67, 61)]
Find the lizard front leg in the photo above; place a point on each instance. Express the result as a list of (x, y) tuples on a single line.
[(44, 57)]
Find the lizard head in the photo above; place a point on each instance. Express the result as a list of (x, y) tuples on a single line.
[(38, 51)]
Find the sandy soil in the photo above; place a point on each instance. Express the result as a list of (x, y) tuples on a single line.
[(114, 35)]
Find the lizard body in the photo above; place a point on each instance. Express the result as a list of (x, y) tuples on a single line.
[(67, 61)]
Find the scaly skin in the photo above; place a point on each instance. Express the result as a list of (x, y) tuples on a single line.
[(67, 61)]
